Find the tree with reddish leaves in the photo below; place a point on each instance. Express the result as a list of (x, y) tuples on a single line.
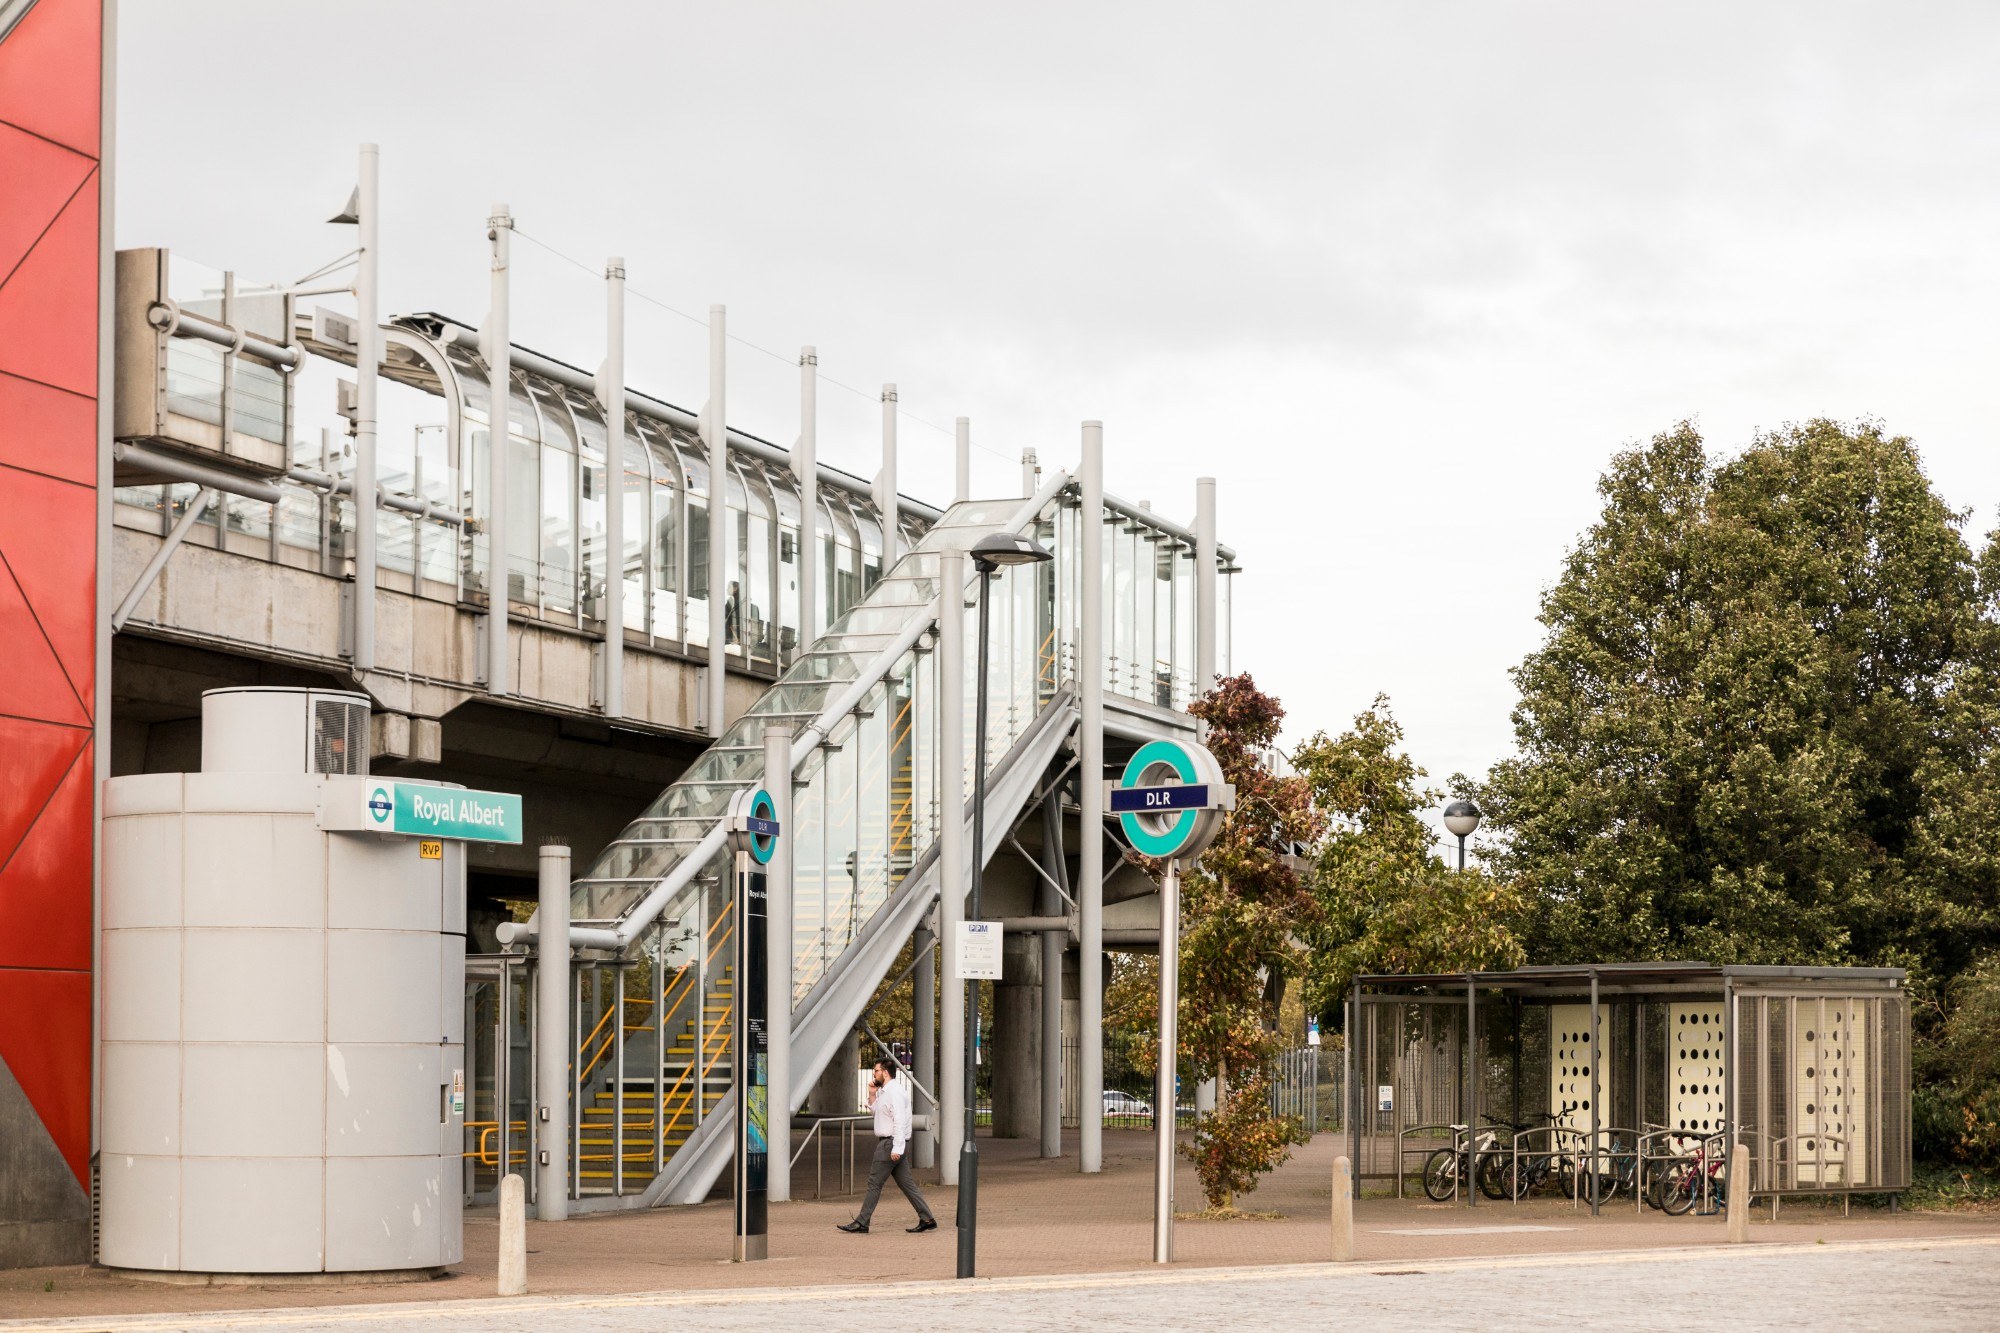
[(1243, 910)]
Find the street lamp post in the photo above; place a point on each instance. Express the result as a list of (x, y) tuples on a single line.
[(1461, 818), (989, 553)]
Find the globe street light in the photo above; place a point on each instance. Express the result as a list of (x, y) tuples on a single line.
[(1461, 818), (993, 551)]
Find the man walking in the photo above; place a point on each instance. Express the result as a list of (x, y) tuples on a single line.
[(889, 1098)]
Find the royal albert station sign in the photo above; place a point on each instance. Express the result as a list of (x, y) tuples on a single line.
[(419, 810)]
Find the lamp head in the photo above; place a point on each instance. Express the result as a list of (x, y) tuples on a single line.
[(996, 549), (1461, 818)]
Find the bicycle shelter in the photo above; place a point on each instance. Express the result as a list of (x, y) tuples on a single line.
[(1619, 1063)]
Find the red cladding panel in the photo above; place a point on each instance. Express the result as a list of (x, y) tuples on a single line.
[(47, 538), (34, 686), (40, 178), (45, 1040), (48, 430), (47, 880), (38, 755), (50, 71), (48, 307)]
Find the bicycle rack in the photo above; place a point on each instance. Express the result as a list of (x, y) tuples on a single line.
[(1403, 1153)]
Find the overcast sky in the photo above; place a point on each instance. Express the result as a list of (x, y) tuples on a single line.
[(1400, 275)]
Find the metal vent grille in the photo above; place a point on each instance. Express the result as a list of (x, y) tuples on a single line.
[(340, 737)]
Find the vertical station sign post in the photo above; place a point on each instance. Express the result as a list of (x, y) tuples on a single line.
[(1169, 805), (753, 840)]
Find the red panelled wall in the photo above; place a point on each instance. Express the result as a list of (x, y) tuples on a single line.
[(50, 150)]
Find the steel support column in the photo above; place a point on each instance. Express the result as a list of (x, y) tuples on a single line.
[(778, 907), (951, 854), (923, 1036), (611, 393), (805, 467), (552, 1031), (1596, 1045), (1205, 621), (367, 362), (1052, 944), (1090, 763), (962, 462), (715, 430), (885, 481), (498, 350)]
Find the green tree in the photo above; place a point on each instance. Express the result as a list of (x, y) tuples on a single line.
[(1759, 678), (1387, 902)]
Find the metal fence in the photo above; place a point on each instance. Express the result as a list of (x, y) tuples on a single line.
[(1306, 1081)]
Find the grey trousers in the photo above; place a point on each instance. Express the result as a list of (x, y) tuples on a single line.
[(880, 1170)]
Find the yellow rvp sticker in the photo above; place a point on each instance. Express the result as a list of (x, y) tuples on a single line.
[(431, 849)]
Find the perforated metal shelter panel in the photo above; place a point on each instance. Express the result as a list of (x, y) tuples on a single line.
[(1569, 1065), (1695, 1069), (1830, 1079)]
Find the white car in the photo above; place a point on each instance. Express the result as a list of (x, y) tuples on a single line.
[(1124, 1104)]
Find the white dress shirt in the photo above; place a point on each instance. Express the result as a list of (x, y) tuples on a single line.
[(892, 1112)]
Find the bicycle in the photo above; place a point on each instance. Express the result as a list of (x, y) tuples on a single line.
[(1701, 1179), (1525, 1172), (1447, 1169)]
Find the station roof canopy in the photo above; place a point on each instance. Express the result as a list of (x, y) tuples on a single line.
[(1628, 976)]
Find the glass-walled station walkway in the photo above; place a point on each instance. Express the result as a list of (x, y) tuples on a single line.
[(431, 466)]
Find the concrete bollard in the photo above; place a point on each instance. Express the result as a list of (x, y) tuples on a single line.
[(513, 1237), (1738, 1202), (1343, 1210)]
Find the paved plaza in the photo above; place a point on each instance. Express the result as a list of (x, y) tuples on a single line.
[(1062, 1250), (1945, 1284)]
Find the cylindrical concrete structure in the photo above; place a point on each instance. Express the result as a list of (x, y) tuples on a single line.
[(283, 1034)]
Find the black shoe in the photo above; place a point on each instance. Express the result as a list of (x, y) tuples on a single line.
[(855, 1228), (927, 1224)]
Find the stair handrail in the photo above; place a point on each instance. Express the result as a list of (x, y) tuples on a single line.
[(642, 916)]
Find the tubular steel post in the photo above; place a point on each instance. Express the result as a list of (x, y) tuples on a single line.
[(1204, 659), (1052, 944), (1090, 818), (1596, 1039), (968, 1161), (552, 1025), (805, 463), (715, 428), (500, 374), (1165, 1093), (611, 392), (924, 1033), (1471, 1092), (951, 850), (367, 359), (778, 880), (962, 462), (885, 481)]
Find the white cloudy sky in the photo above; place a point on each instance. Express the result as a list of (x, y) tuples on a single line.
[(1400, 275)]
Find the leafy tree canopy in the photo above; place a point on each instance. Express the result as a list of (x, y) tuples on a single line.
[(1762, 725), (1386, 901)]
